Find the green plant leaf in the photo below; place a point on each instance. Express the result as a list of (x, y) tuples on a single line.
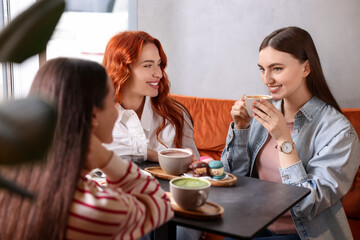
[(30, 31), (6, 184), (26, 130)]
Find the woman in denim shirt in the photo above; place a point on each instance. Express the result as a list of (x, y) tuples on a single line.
[(316, 146)]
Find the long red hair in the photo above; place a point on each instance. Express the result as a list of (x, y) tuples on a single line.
[(121, 52)]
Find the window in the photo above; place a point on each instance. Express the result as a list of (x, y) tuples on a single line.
[(3, 65), (3, 83), (14, 75), (86, 26), (82, 32)]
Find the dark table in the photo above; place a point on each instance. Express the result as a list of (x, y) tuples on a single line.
[(249, 207)]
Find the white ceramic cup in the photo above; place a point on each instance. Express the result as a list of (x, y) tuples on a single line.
[(190, 193), (175, 161), (250, 98)]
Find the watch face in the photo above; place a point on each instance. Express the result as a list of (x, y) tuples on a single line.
[(286, 147)]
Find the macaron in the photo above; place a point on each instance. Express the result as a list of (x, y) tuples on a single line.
[(216, 169), (199, 169), (206, 159)]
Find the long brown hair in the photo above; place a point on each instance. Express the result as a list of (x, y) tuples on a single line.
[(298, 43), (75, 87), (123, 50)]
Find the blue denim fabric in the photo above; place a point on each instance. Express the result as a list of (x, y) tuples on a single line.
[(329, 152)]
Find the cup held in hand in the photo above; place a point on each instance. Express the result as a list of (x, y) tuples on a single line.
[(250, 98)]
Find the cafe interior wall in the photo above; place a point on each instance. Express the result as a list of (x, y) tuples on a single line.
[(212, 45)]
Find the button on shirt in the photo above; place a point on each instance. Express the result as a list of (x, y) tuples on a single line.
[(132, 136)]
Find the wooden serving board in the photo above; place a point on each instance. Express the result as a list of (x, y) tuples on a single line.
[(208, 211), (226, 182)]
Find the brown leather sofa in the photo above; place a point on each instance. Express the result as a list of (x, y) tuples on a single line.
[(211, 118)]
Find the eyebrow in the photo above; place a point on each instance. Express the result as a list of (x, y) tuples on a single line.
[(150, 61), (272, 65)]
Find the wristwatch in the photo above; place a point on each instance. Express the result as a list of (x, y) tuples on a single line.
[(286, 147)]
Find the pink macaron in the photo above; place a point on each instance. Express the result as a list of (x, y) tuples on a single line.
[(206, 159)]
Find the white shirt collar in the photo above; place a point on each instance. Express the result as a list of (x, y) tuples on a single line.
[(146, 116)]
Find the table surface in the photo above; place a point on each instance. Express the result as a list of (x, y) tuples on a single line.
[(249, 206)]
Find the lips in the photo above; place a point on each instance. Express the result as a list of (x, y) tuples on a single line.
[(154, 84), (274, 89)]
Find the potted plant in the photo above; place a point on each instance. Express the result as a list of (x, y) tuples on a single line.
[(27, 125)]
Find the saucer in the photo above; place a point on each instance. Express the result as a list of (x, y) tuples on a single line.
[(208, 211)]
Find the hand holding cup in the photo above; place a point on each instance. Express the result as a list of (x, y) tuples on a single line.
[(249, 99), (240, 115)]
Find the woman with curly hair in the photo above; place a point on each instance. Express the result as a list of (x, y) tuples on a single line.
[(149, 118)]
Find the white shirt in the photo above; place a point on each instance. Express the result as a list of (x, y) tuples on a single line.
[(132, 136)]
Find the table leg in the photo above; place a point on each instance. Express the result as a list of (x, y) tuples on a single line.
[(172, 230), (164, 232)]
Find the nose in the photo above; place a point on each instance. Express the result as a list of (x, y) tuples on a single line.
[(157, 73), (267, 78)]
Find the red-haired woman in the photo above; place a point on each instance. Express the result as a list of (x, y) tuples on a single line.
[(149, 119)]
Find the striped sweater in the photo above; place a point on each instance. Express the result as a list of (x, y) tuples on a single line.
[(131, 205)]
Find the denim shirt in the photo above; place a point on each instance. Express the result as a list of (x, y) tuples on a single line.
[(329, 152)]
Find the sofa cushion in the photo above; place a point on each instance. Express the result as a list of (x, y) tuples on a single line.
[(211, 118), (355, 228), (351, 200), (353, 114)]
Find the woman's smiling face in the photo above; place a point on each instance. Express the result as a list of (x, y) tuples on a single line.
[(145, 73), (283, 74)]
